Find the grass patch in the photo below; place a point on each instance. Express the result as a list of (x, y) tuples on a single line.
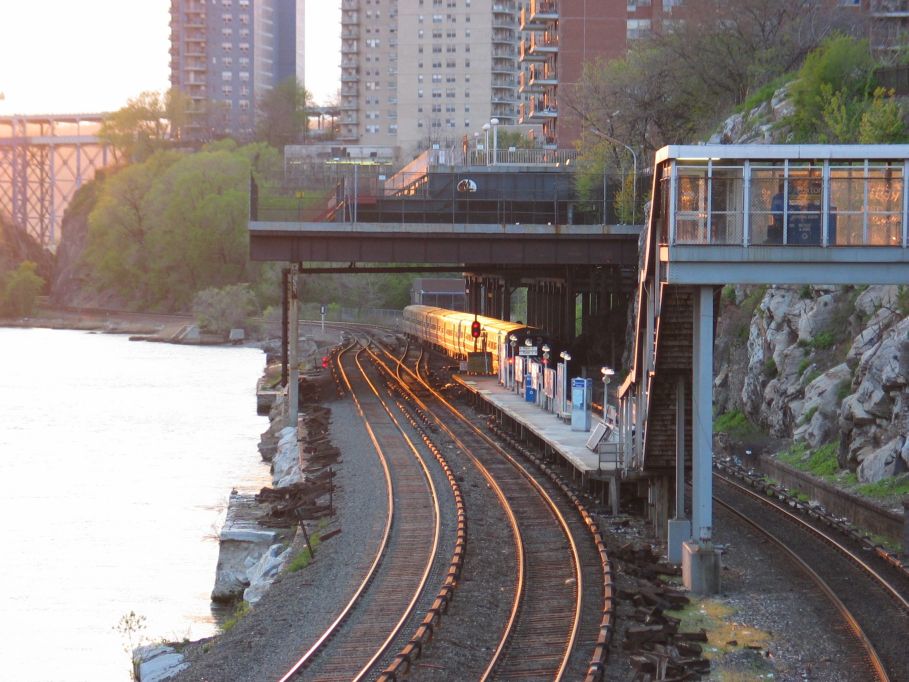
[(843, 389), (764, 93), (803, 365), (734, 423), (753, 299), (770, 369), (895, 486), (808, 415), (805, 292), (729, 294), (823, 340), (241, 610), (820, 462), (301, 561)]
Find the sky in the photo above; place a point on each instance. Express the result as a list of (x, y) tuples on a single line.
[(91, 56)]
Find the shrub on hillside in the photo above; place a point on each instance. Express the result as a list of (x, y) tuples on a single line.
[(217, 311), (19, 290)]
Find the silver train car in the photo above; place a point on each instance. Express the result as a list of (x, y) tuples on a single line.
[(449, 331)]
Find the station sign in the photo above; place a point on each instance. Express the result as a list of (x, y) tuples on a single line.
[(526, 351)]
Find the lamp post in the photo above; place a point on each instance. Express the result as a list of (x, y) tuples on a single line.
[(513, 342), (495, 138), (566, 357), (486, 127), (607, 375), (634, 184)]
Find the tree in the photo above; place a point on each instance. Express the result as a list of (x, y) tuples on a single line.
[(119, 226), (20, 289), (199, 227), (146, 124), (283, 114), (220, 310)]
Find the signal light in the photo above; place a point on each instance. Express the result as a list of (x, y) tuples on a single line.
[(324, 361), (475, 329)]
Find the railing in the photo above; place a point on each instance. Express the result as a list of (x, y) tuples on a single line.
[(523, 157)]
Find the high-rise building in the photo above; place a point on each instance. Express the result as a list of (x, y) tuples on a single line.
[(226, 53), (559, 36), (421, 72)]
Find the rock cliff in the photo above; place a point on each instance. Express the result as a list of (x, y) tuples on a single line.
[(818, 364)]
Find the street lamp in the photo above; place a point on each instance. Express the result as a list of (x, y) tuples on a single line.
[(566, 357), (634, 184), (513, 342), (495, 138), (486, 127), (607, 375)]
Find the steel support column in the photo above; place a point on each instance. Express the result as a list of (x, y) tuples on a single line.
[(702, 416)]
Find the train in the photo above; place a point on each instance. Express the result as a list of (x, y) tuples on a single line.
[(450, 332)]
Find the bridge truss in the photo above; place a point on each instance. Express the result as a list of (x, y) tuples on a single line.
[(43, 161)]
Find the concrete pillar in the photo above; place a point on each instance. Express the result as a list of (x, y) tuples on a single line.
[(700, 559), (293, 374)]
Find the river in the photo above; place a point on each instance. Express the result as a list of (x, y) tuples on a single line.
[(116, 462)]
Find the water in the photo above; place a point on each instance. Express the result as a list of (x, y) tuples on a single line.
[(116, 462)]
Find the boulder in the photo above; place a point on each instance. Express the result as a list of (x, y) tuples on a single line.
[(158, 662), (285, 467), (263, 573), (883, 462), (242, 543), (821, 398)]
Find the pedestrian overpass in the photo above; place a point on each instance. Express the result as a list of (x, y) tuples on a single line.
[(740, 214)]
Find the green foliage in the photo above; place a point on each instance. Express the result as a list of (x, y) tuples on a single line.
[(895, 486), (218, 310), (902, 299), (764, 93), (770, 369), (241, 610), (843, 389), (883, 121), (282, 114), (809, 415), (803, 365), (145, 125), (753, 299), (728, 294), (301, 561), (840, 65), (820, 462), (174, 225), (805, 292), (734, 423), (19, 290), (824, 340)]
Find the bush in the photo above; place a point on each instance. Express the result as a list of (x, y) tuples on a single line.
[(242, 609), (217, 311), (770, 369), (19, 290), (734, 423), (824, 340)]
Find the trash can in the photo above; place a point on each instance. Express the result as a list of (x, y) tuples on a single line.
[(581, 390)]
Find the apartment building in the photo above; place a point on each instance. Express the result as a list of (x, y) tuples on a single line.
[(226, 53), (415, 73), (558, 36)]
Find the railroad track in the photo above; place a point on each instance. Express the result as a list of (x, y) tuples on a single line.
[(875, 611), (385, 599), (539, 636)]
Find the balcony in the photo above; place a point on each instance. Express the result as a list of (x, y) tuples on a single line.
[(349, 47), (350, 34), (539, 109), (350, 18), (525, 86), (350, 77), (503, 7), (542, 76), (502, 37), (539, 15)]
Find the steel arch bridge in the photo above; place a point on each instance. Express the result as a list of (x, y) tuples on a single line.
[(43, 161)]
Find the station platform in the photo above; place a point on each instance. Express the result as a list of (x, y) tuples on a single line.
[(555, 434)]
